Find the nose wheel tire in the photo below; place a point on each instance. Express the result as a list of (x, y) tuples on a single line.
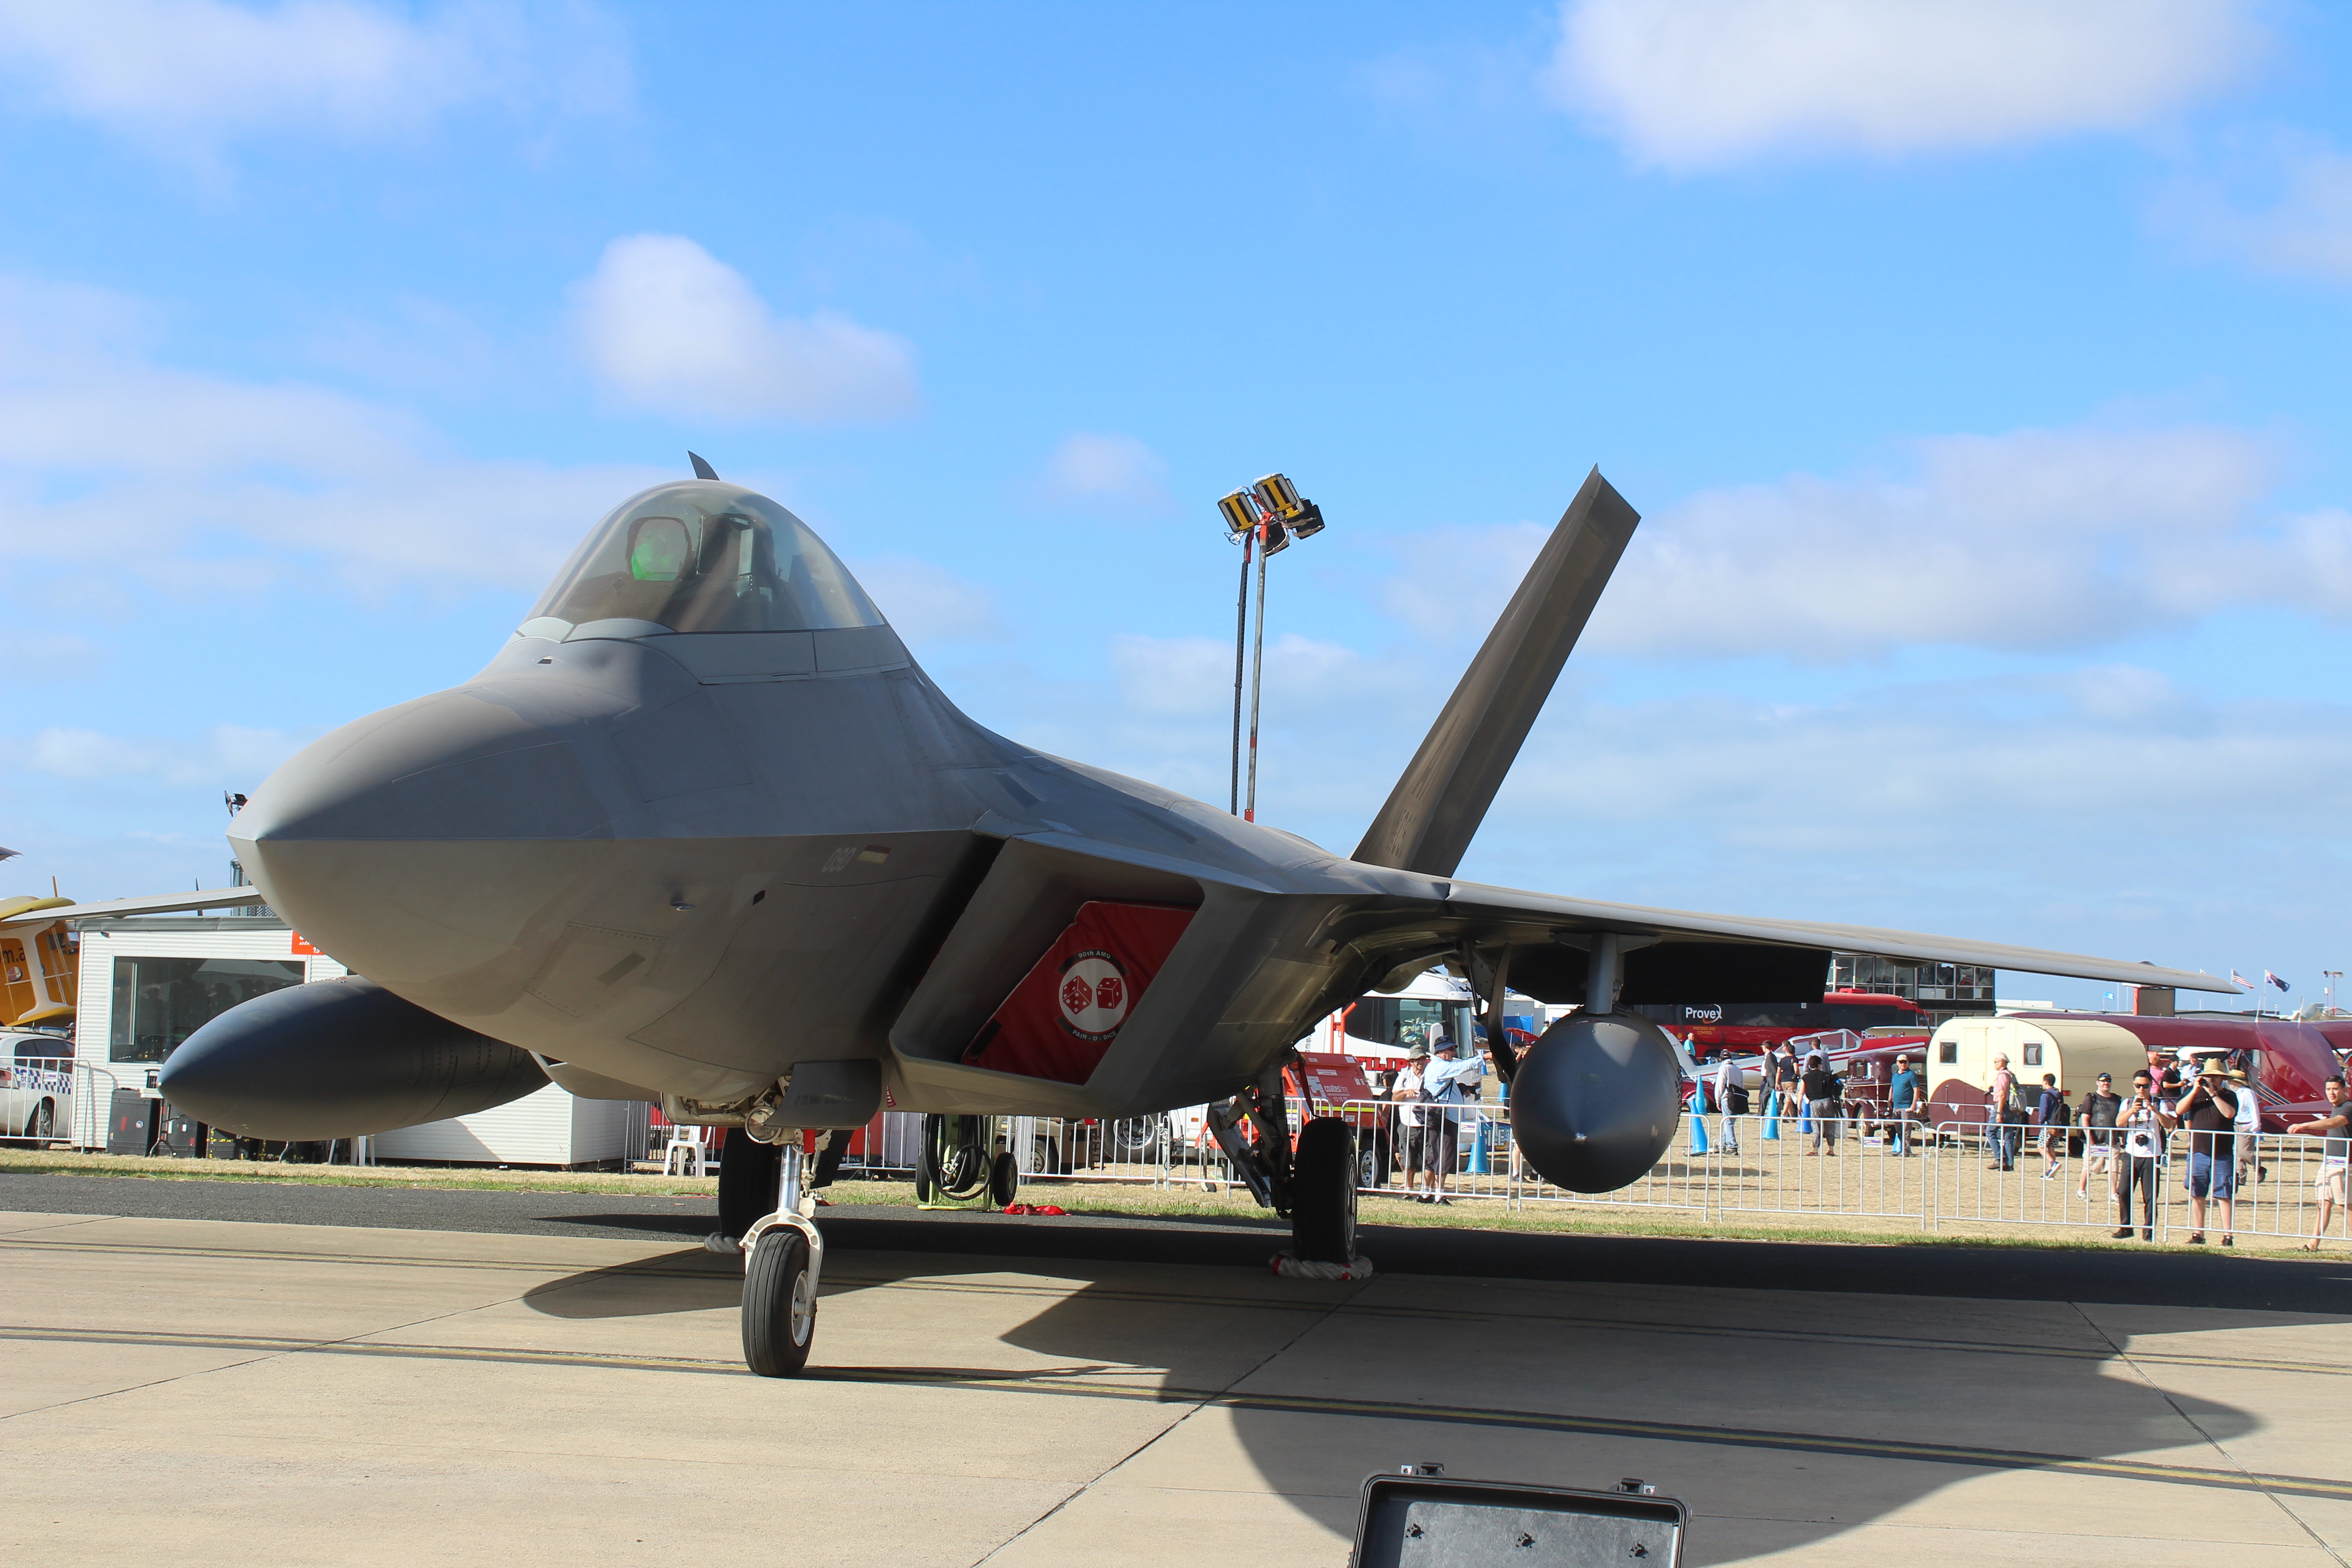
[(779, 1305), (1323, 1191), (747, 1181)]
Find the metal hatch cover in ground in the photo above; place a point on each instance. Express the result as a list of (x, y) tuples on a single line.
[(1426, 1520)]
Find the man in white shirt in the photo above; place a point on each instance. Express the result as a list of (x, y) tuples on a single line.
[(1404, 1089), (1444, 1081), (1726, 1075), (2141, 1127)]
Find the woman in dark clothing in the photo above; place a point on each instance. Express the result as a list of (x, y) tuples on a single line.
[(1823, 1091)]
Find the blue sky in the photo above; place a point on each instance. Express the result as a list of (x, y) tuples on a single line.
[(1977, 368)]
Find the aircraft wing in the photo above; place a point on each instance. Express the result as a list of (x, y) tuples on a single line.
[(1569, 915), (151, 904)]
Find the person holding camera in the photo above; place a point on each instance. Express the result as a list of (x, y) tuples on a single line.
[(2141, 1127), (2209, 1111)]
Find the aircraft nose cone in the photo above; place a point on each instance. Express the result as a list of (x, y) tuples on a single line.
[(415, 843), (454, 765)]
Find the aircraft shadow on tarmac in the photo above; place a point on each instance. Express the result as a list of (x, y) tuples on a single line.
[(1781, 1419)]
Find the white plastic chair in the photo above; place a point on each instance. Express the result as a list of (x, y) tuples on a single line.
[(694, 1144)]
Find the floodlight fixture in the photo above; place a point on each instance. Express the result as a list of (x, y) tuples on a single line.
[(1241, 514), (1277, 495), (1268, 515)]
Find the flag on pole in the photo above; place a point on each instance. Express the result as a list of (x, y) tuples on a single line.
[(2237, 978), (2276, 980)]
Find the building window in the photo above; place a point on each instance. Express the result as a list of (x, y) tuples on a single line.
[(160, 1002)]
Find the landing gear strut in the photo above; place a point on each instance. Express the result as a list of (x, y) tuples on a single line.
[(783, 1256), (1313, 1187), (962, 1164)]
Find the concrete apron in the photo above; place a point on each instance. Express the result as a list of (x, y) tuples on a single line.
[(211, 1392)]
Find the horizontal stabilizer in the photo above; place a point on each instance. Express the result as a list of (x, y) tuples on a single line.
[(1439, 802), (155, 904)]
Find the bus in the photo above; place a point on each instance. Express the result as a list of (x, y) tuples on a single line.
[(1711, 1028)]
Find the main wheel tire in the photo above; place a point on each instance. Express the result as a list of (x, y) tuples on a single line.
[(779, 1305), (1004, 1179), (1323, 1191), (748, 1169)]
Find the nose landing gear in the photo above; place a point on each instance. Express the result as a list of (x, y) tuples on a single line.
[(784, 1256)]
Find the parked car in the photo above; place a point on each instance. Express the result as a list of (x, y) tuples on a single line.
[(36, 1084)]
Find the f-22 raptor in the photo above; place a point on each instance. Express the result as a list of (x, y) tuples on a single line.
[(703, 833)]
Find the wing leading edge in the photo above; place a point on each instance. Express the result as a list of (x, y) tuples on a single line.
[(1502, 908)]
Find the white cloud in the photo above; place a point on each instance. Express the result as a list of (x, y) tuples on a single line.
[(173, 72), (1457, 578), (669, 328), (927, 603), (1107, 472), (1704, 84), (226, 754), (204, 485), (2031, 541), (2281, 203)]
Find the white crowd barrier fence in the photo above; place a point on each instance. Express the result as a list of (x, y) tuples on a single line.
[(1949, 1172)]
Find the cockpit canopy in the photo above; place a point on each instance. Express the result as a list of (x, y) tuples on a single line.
[(700, 556)]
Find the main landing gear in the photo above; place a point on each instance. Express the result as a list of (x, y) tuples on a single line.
[(1312, 1185), (963, 1163)]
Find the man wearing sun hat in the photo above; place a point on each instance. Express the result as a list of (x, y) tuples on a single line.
[(2209, 1114)]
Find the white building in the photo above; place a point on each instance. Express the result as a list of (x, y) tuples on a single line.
[(149, 981)]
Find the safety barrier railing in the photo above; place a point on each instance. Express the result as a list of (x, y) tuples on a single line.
[(37, 1100), (1764, 1161), (2281, 1185)]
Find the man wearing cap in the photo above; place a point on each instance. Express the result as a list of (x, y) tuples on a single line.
[(1731, 1091), (2209, 1111), (2099, 1109), (1443, 1084), (1904, 1097)]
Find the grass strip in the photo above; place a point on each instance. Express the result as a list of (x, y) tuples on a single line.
[(1137, 1201)]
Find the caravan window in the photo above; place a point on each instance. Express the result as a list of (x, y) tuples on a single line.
[(1947, 1052)]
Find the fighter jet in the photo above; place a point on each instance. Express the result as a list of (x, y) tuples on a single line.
[(702, 832)]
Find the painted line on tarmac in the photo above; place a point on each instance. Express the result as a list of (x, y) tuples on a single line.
[(664, 1266), (1088, 1382)]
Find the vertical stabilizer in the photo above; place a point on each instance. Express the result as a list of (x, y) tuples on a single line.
[(1443, 794)]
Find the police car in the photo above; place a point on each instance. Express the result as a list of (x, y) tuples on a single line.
[(36, 1084)]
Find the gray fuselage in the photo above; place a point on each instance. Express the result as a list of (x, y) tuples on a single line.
[(684, 862)]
